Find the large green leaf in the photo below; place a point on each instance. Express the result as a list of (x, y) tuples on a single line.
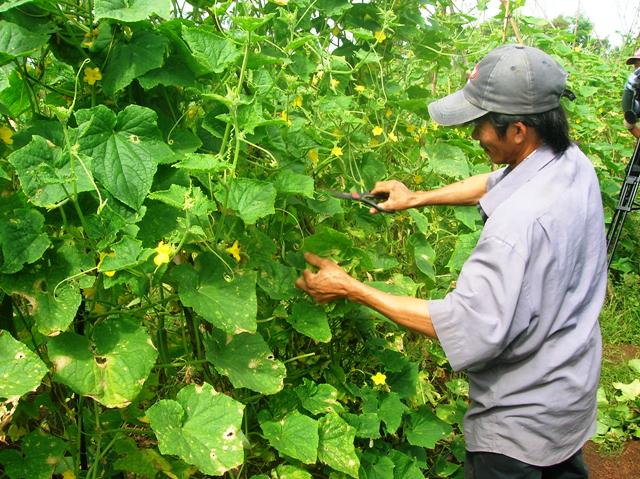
[(126, 253), (327, 242), (16, 41), (424, 428), (22, 238), (125, 150), (311, 321), (145, 52), (9, 4), (292, 183), (318, 398), (295, 435), (202, 426), (229, 305), (285, 471), (447, 160), (463, 248), (38, 457), (111, 367), (252, 199), (212, 51), (54, 313), (391, 410), (248, 362), (48, 175), (131, 10), (336, 447), (21, 370), (278, 280)]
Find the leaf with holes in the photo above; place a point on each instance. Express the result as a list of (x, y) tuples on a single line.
[(247, 361), (295, 435), (20, 368), (125, 149), (202, 426), (318, 398), (111, 367)]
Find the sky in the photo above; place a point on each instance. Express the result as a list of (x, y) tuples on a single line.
[(610, 17)]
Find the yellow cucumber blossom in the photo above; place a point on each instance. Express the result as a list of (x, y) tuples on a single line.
[(297, 102), (103, 255), (6, 135), (380, 36), (379, 379), (393, 136), (285, 117), (336, 151), (234, 250), (377, 131), (281, 3), (334, 83), (163, 253), (313, 156), (92, 75), (411, 128), (359, 88), (68, 474)]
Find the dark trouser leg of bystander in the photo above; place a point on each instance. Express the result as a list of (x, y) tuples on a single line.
[(488, 465), (572, 468)]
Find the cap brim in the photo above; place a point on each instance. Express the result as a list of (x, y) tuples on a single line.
[(630, 60), (454, 109)]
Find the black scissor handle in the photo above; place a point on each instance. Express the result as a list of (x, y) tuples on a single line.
[(367, 198)]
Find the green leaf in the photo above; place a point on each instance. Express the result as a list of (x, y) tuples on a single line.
[(142, 462), (20, 368), (284, 471), (38, 457), (247, 361), (252, 199), (131, 10), (327, 242), (376, 466), (229, 305), (202, 163), (292, 183), (212, 51), (425, 429), (628, 392), (336, 448), (405, 467), (278, 280), (367, 424), (22, 238), (125, 150), (45, 172), (295, 435), (635, 365), (467, 215), (311, 321), (319, 398), (390, 411), (402, 374), (463, 248), (9, 4), (126, 253), (54, 313), (16, 41), (421, 221), (424, 256), (202, 426), (145, 52), (447, 160), (190, 200), (111, 368)]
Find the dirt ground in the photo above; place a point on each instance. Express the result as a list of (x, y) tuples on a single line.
[(623, 466)]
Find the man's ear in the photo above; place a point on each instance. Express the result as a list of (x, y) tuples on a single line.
[(519, 132)]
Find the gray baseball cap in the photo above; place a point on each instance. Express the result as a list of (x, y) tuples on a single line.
[(511, 79)]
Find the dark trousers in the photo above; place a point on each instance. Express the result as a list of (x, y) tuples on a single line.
[(488, 465)]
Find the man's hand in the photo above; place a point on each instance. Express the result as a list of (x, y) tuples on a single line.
[(400, 197), (331, 282)]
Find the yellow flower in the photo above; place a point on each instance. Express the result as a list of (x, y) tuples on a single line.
[(336, 31), (336, 151), (68, 474), (6, 135), (92, 75), (359, 88), (410, 54), (163, 253), (297, 102), (392, 136), (411, 128), (388, 113), (418, 179), (380, 36), (234, 250), (281, 3), (334, 83), (377, 131), (313, 156), (285, 117), (374, 142), (578, 121), (379, 379), (103, 255)]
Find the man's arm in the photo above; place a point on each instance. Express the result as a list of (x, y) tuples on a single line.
[(465, 192), (331, 282)]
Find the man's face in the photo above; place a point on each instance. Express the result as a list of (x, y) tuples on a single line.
[(500, 150)]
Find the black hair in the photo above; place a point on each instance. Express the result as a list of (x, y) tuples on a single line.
[(551, 126)]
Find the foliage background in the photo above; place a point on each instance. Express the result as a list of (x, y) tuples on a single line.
[(163, 165)]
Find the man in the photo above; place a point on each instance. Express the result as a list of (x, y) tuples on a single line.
[(523, 319), (631, 84)]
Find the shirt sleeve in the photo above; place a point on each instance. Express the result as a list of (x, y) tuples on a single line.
[(495, 177), (478, 320)]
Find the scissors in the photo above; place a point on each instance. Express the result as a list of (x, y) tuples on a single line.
[(367, 198)]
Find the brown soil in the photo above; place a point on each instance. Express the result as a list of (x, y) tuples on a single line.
[(621, 466)]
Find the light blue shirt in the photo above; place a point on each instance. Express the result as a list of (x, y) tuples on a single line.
[(523, 319)]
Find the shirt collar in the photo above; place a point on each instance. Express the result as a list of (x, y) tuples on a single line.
[(514, 177)]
